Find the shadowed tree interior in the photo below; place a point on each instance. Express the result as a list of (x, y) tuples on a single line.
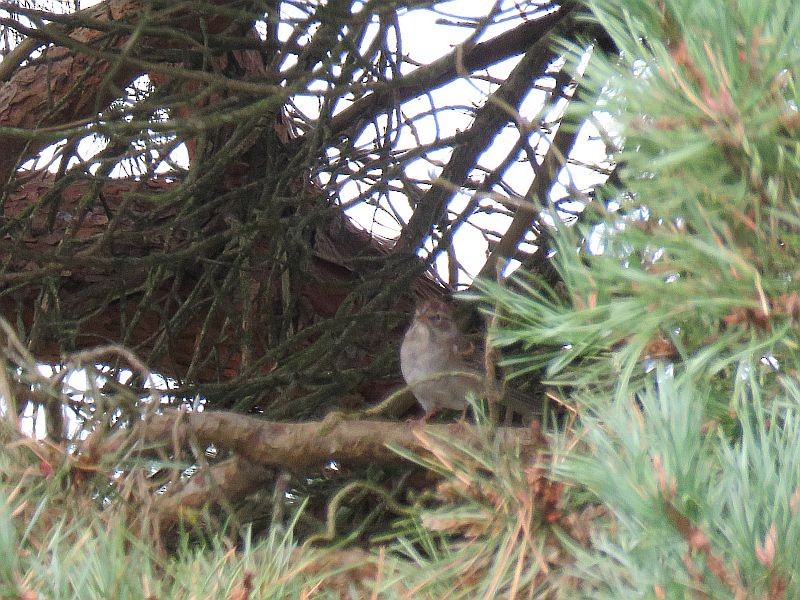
[(251, 196)]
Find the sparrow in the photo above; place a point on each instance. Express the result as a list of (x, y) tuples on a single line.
[(433, 360)]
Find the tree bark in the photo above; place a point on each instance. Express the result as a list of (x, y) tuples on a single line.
[(305, 446)]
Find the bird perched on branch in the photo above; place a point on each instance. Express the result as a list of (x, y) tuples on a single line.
[(437, 363)]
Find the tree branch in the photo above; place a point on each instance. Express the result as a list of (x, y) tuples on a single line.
[(526, 213), (225, 481), (447, 68), (499, 109), (298, 446)]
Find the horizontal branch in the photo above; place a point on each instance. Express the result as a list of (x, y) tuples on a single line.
[(299, 446)]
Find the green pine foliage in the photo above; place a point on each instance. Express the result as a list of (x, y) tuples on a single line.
[(57, 543), (671, 339), (673, 333)]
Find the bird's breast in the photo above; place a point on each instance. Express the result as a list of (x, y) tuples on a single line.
[(420, 357)]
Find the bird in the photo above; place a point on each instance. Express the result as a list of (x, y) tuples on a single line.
[(434, 360)]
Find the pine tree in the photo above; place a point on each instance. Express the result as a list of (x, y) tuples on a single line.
[(673, 338), (665, 331)]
